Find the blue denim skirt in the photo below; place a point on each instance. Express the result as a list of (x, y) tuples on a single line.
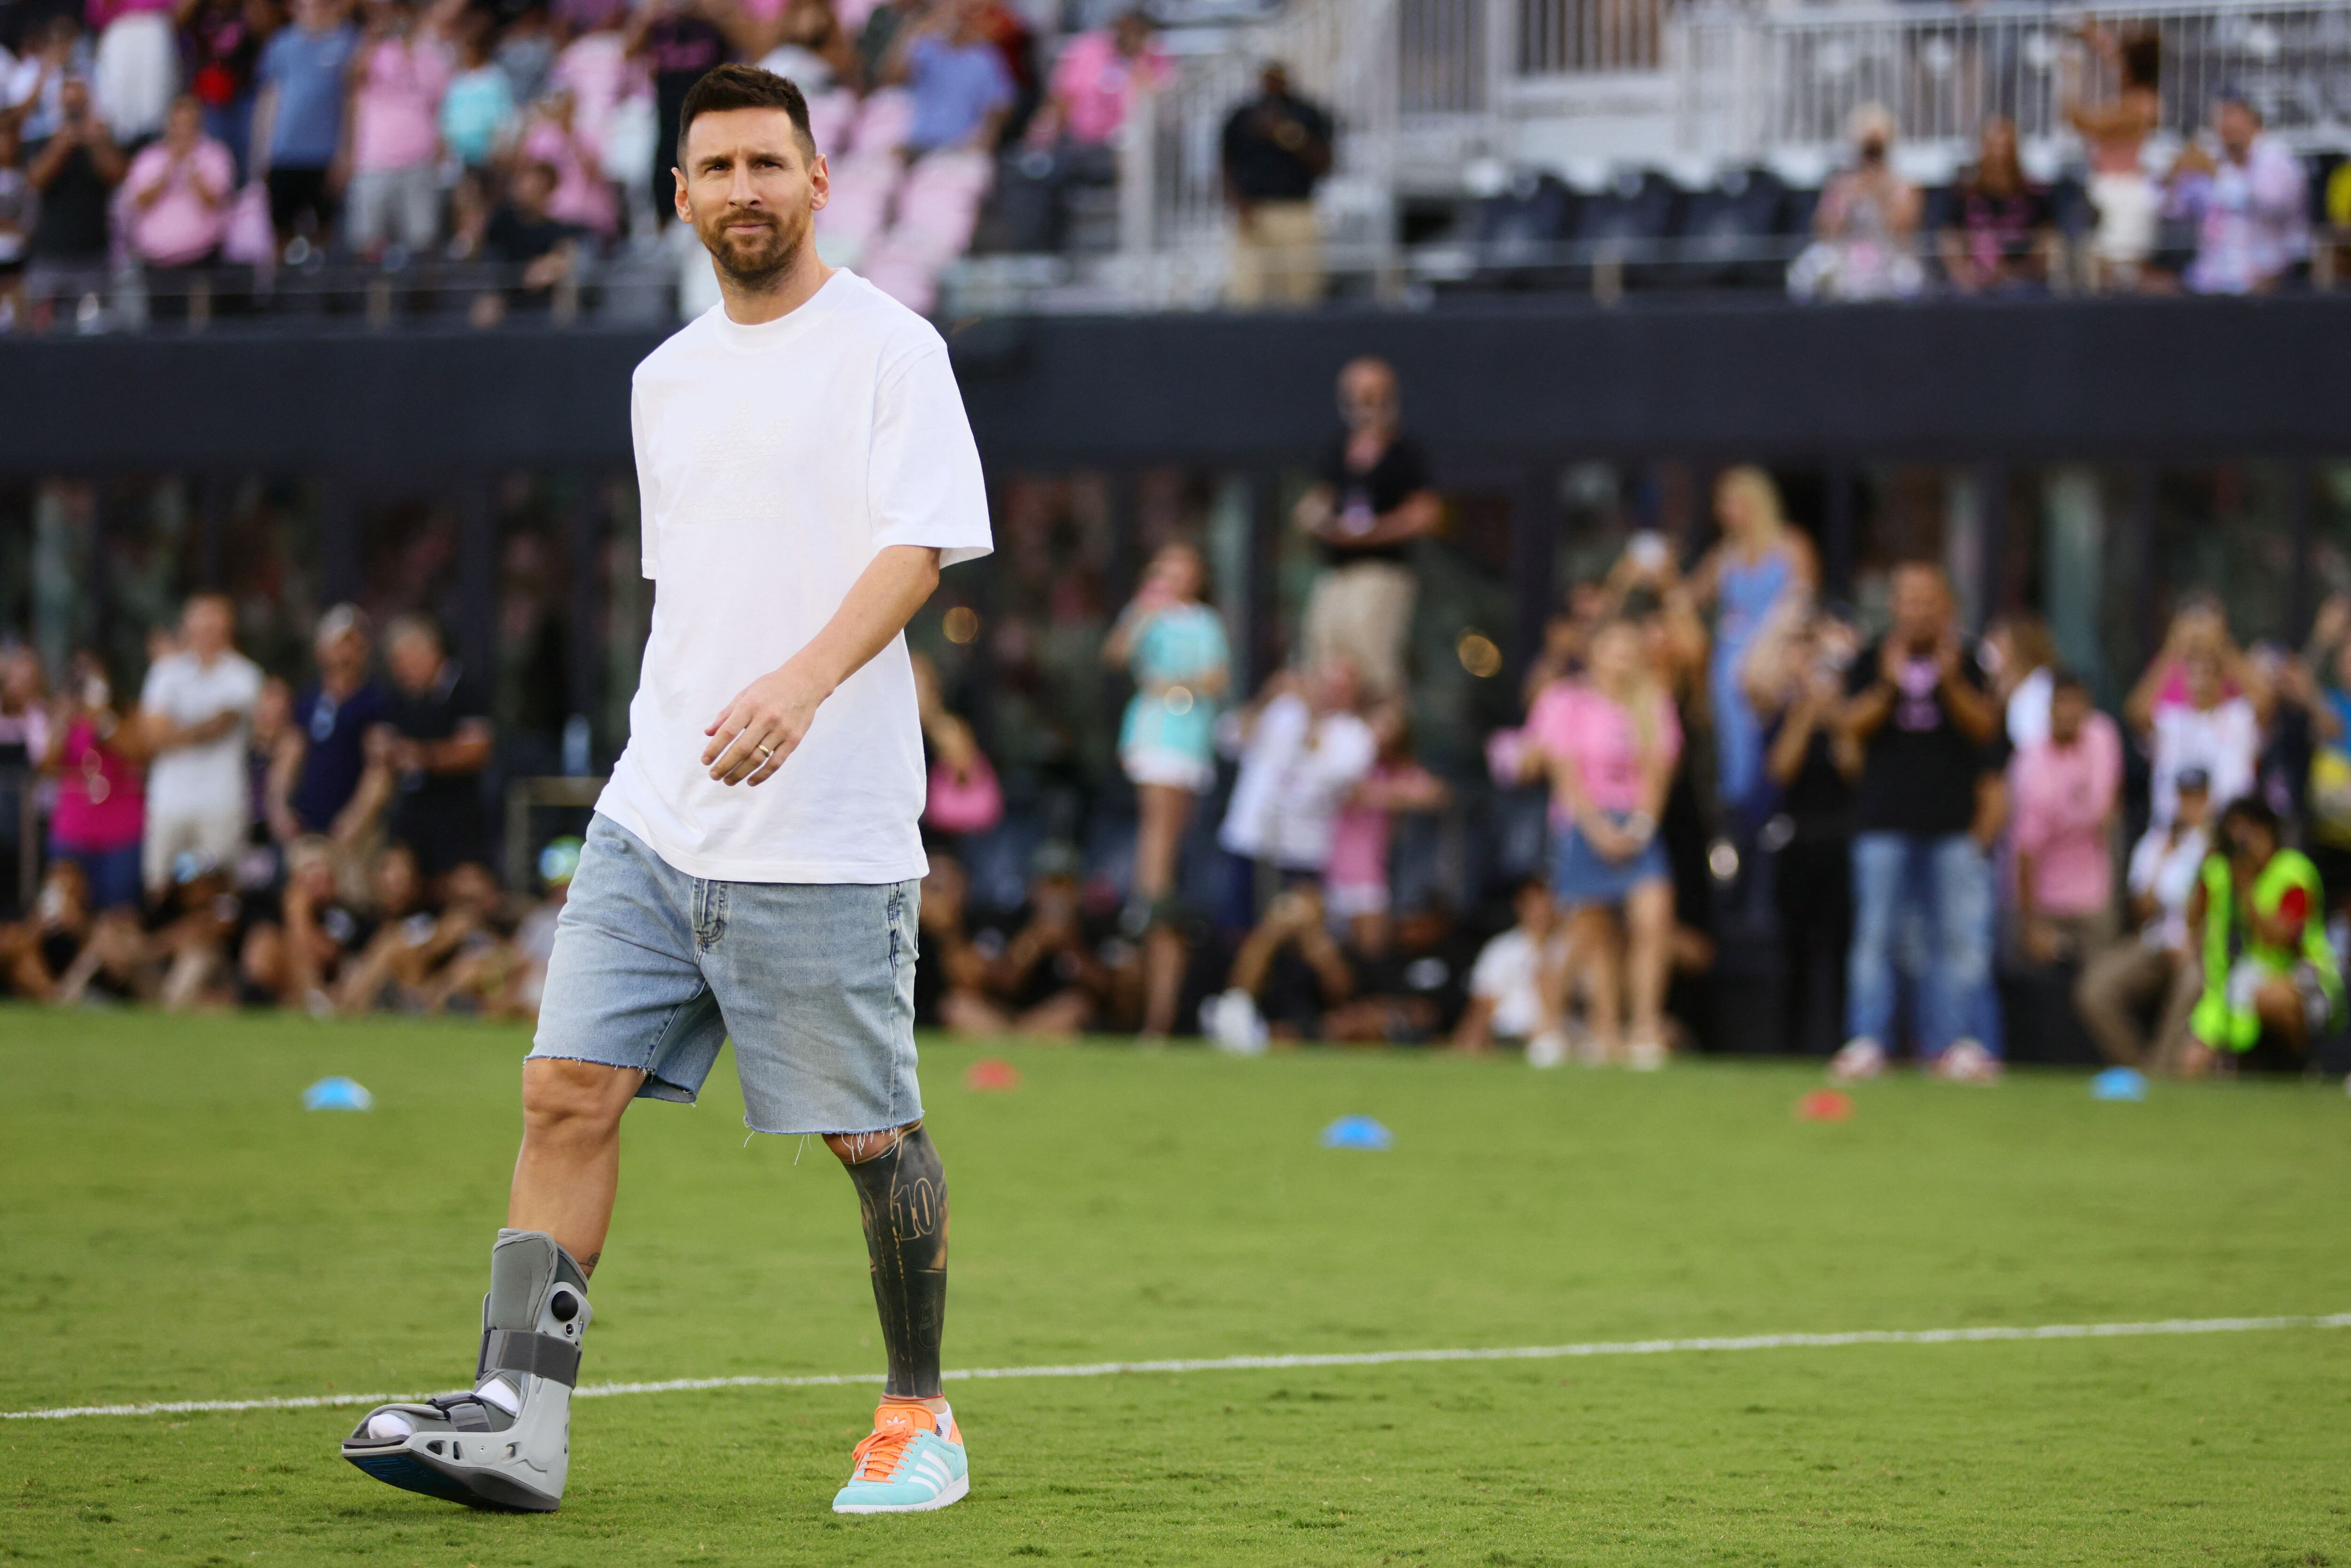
[(1580, 876)]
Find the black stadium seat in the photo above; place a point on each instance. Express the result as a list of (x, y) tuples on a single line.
[(1520, 230), (1730, 233), (1634, 215)]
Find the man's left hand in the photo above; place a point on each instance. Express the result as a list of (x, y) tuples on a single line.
[(763, 725)]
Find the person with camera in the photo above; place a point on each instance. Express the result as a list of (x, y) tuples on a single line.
[(75, 172), (1921, 708)]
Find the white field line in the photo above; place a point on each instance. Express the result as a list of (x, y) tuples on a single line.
[(1279, 1363)]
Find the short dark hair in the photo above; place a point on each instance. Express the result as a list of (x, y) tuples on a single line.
[(722, 88), (2068, 680)]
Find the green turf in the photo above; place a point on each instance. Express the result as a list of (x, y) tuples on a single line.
[(173, 1226)]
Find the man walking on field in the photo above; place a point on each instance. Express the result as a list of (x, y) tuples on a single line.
[(751, 872)]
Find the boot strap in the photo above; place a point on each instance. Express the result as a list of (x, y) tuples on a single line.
[(541, 1355)]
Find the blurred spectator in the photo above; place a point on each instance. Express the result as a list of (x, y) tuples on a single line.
[(36, 951), (35, 94), (315, 774), (477, 112), (961, 90), (2064, 792), (581, 196), (2115, 134), (19, 211), (1796, 680), (196, 708), (100, 813), (2271, 977), (525, 50), (678, 42), (400, 949), (1507, 988), (298, 119), (322, 930), (436, 742), (1097, 80), (24, 712), (178, 190), (1761, 566), (1303, 751), (2156, 965), (2199, 705), (73, 173), (398, 75), (2000, 237), (1919, 704), (1050, 979), (1866, 224), (1611, 743), (1174, 645), (810, 49), (524, 235), (951, 981), (1276, 149), (1288, 970), (137, 68), (222, 41), (1370, 501), (2021, 659), (2250, 206), (2327, 695), (1356, 880)]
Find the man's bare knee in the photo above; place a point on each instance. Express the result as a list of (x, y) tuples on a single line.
[(563, 1098), (856, 1148)]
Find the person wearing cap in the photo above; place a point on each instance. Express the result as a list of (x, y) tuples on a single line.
[(2156, 962), (315, 773), (2252, 220)]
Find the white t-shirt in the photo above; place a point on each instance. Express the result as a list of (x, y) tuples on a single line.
[(1508, 973), (774, 463), (2224, 740), (1295, 773), (2167, 872), (207, 780)]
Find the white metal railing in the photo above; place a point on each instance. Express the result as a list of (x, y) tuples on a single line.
[(1753, 81)]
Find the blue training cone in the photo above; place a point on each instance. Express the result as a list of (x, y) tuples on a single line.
[(1357, 1133), (2119, 1083), (337, 1093)]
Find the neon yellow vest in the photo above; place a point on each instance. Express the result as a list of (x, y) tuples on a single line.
[(2216, 1022)]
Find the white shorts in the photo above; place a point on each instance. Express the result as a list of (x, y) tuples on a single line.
[(217, 836), (1156, 765), (1347, 901)]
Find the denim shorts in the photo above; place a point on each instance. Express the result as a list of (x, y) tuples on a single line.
[(1580, 876), (814, 982)]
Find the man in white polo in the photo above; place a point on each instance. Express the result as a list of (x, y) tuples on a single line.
[(751, 873), (197, 709)]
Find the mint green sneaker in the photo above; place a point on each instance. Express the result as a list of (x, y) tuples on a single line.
[(913, 1463)]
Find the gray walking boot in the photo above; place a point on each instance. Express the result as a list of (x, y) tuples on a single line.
[(507, 1444)]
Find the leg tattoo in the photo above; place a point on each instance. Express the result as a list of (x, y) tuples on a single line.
[(901, 1196)]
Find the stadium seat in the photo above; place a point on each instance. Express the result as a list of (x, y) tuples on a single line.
[(1519, 233), (1730, 233), (864, 185), (1632, 217), (938, 205), (831, 116), (882, 122), (901, 270)]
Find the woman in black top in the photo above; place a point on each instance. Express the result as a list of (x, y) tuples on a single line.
[(1796, 681), (1997, 236)]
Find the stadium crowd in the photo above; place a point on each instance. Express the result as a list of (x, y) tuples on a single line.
[(1946, 842), (165, 137)]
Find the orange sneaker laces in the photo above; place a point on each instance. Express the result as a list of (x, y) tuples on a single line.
[(877, 1459)]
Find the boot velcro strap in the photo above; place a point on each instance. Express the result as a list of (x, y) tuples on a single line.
[(541, 1355)]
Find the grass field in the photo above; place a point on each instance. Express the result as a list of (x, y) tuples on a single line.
[(173, 1226)]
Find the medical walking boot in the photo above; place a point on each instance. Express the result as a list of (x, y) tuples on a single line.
[(507, 1444)]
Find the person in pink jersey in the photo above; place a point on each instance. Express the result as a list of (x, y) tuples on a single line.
[(397, 78), (179, 191), (101, 811)]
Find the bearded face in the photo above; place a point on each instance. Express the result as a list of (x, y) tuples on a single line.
[(751, 189)]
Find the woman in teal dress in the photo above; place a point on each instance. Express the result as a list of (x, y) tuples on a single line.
[(1174, 645)]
